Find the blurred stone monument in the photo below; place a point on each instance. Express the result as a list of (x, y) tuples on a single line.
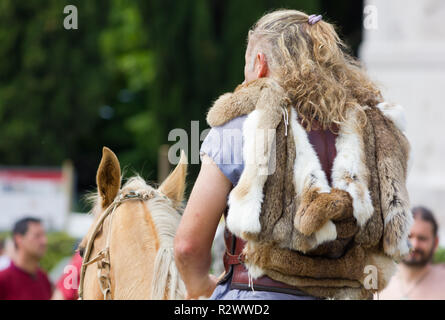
[(404, 51)]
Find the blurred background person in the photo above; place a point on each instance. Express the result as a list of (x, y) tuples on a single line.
[(68, 283), (417, 277), (23, 279)]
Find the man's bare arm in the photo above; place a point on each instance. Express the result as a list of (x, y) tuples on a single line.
[(195, 234)]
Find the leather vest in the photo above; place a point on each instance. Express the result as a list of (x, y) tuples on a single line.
[(323, 142)]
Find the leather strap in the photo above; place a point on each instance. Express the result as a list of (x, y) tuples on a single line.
[(237, 272), (235, 258)]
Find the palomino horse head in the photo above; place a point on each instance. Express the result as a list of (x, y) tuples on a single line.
[(128, 251)]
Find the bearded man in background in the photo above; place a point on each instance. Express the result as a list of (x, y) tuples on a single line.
[(417, 277)]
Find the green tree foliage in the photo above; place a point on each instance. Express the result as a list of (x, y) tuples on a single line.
[(60, 245), (52, 81), (439, 255)]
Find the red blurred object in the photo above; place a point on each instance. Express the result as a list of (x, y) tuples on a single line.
[(68, 283)]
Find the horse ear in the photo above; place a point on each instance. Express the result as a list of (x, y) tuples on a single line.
[(108, 177), (174, 186)]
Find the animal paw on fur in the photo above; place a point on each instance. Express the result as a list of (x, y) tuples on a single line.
[(336, 205)]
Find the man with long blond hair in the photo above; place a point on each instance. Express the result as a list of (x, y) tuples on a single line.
[(308, 165)]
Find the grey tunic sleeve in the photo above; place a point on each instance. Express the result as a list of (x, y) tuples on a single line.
[(224, 145)]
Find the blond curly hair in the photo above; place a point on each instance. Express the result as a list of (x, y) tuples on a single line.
[(312, 64)]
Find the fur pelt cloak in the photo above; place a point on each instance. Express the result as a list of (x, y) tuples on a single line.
[(325, 239)]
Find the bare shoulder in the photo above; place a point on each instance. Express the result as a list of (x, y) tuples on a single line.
[(438, 274)]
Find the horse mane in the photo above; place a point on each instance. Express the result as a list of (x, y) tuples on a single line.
[(166, 215), (166, 218)]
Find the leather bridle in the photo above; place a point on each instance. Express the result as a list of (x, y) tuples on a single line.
[(103, 257)]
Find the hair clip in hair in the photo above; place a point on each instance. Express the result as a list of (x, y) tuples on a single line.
[(314, 18)]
